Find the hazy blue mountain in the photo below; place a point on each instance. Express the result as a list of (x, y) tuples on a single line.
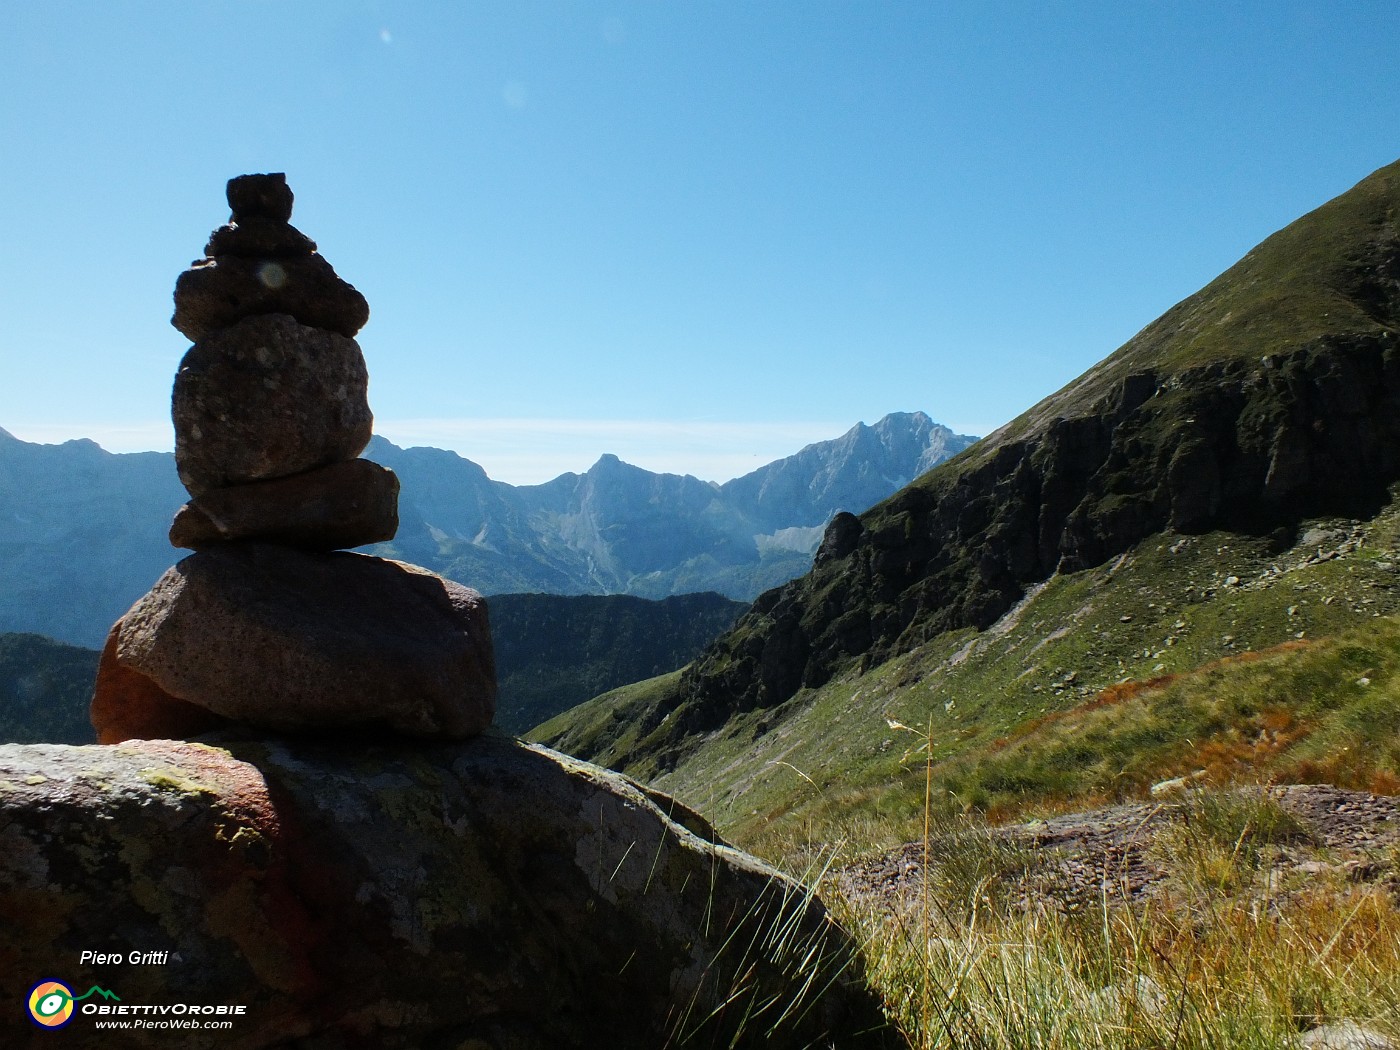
[(858, 469), (619, 529), (83, 531), (82, 535)]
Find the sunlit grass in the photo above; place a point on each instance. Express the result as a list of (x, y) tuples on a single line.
[(1197, 966)]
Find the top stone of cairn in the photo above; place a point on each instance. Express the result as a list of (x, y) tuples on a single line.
[(260, 197)]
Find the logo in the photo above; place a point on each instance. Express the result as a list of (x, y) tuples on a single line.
[(51, 1002)]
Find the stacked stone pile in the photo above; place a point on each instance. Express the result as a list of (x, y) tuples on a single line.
[(271, 623)]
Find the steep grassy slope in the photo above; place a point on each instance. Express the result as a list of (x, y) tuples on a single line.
[(1202, 421), (1035, 710), (1093, 539)]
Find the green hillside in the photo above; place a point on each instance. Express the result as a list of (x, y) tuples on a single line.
[(45, 689), (1217, 487), (555, 651)]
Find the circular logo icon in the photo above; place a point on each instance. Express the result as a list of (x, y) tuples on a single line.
[(51, 1004)]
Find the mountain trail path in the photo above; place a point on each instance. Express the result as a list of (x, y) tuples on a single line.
[(1128, 853)]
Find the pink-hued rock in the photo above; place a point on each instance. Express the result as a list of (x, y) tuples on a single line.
[(401, 895), (215, 293), (342, 505), (267, 398), (294, 641), (126, 705)]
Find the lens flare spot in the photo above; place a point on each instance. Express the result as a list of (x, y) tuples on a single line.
[(272, 275)]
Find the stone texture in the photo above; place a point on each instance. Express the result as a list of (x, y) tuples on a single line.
[(293, 641), (215, 293), (342, 505), (1343, 1035), (267, 398), (259, 239), (264, 196), (405, 895), (127, 705)]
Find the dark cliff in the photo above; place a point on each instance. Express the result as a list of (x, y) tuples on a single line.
[(1269, 396)]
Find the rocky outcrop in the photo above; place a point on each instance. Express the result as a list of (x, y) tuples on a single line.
[(1271, 396), (401, 895)]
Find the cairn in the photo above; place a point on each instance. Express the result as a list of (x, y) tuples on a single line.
[(271, 623)]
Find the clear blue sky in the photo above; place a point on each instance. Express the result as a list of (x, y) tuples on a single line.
[(698, 235)]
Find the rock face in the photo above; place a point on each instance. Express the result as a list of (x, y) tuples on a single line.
[(486, 894), (1270, 396)]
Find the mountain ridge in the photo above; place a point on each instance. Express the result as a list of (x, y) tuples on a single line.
[(82, 530), (1269, 397)]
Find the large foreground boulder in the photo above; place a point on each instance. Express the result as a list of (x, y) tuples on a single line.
[(346, 895)]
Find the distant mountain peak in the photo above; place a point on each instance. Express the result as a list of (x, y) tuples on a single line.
[(618, 528)]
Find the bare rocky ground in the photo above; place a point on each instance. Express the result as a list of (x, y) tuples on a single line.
[(1117, 854)]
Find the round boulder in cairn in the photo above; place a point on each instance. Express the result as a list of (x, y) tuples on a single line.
[(266, 398), (342, 505), (214, 293), (291, 641)]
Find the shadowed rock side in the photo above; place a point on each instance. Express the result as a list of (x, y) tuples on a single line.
[(1270, 396), (406, 895)]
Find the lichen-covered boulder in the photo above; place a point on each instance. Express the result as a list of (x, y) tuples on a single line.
[(399, 895)]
